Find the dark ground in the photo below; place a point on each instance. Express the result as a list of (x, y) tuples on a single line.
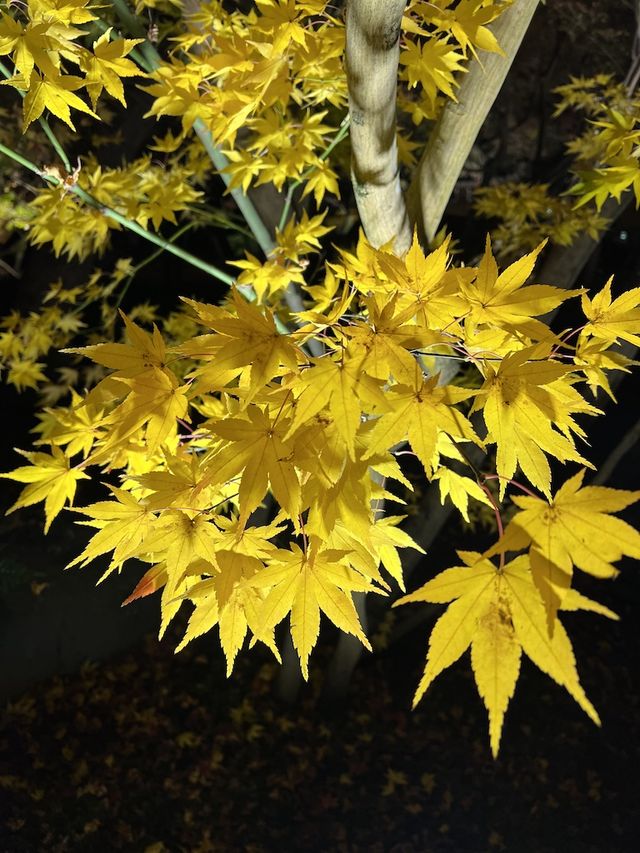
[(151, 752)]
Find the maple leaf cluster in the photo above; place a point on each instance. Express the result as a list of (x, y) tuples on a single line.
[(256, 418), (605, 164), (42, 38)]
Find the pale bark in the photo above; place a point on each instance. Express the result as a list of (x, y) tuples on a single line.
[(457, 128), (372, 55)]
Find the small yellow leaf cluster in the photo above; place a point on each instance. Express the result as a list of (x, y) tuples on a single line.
[(287, 261), (15, 215), (591, 95), (142, 191), (266, 71), (607, 153), (43, 42), (605, 164), (529, 213), (26, 340), (445, 36)]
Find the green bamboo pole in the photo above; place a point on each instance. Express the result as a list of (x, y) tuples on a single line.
[(340, 135), (244, 203), (251, 216)]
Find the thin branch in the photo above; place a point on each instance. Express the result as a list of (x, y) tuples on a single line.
[(458, 126), (129, 224), (244, 203), (152, 60)]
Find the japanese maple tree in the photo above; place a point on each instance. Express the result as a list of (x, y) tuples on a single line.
[(302, 388)]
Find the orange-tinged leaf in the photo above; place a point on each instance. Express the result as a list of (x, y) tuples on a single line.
[(152, 580)]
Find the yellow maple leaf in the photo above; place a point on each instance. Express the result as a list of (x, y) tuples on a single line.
[(123, 524), (501, 300), (107, 64), (247, 339), (181, 538), (613, 320), (54, 93), (25, 373), (467, 23), (523, 399), (459, 489), (387, 337), (423, 281), (341, 386), (142, 352), (432, 64), (156, 402), (499, 614), (419, 413), (230, 600), (574, 528), (51, 479), (256, 445), (303, 584), (280, 20)]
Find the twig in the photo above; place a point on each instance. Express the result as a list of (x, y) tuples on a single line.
[(627, 443)]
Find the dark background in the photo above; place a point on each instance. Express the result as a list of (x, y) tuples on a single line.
[(109, 742)]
